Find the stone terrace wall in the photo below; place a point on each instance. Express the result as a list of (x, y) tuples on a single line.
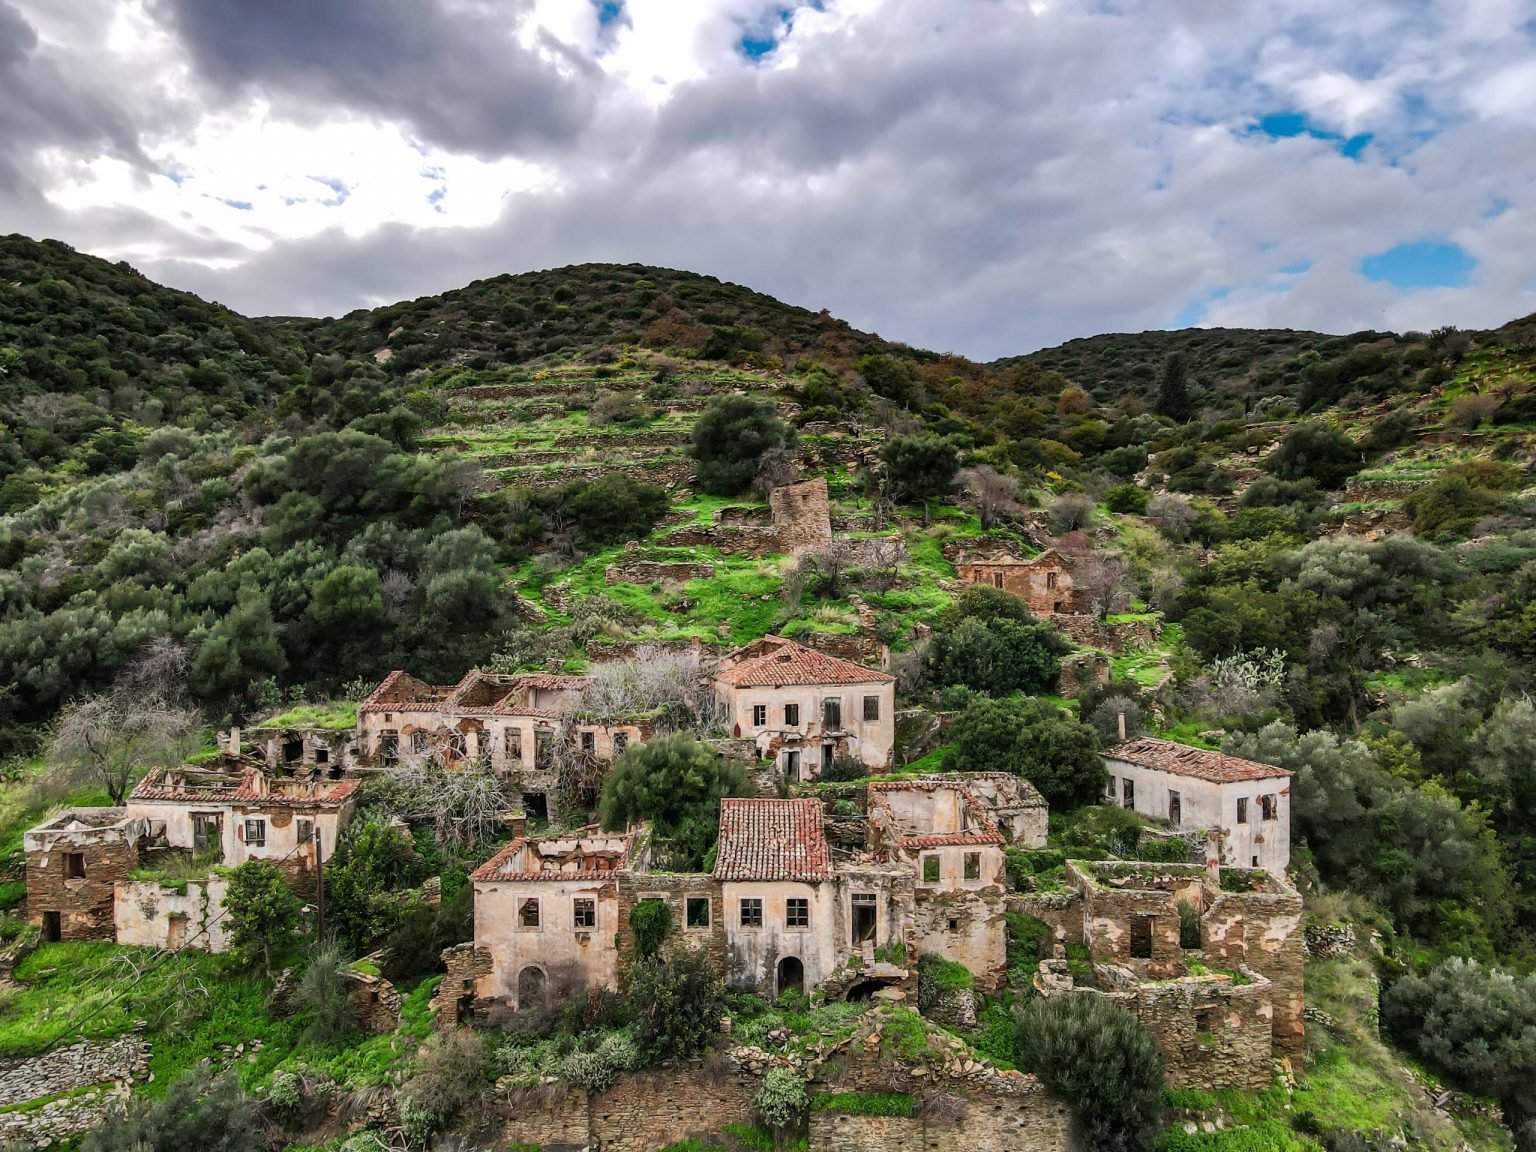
[(654, 572), (77, 1066), (1091, 632), (984, 1125), (751, 540), (640, 1113)]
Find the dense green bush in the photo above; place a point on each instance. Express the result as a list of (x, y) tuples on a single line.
[(1315, 452), (1100, 1059), (731, 439), (1033, 739), (199, 1113), (676, 783), (375, 861), (263, 913), (677, 998)]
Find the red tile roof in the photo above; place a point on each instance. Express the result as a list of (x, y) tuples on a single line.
[(607, 861), (195, 786), (950, 839), (791, 663), (1182, 760), (772, 840)]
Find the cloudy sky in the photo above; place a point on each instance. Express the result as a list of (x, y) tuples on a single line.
[(981, 176)]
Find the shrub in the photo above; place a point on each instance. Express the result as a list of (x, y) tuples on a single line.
[(449, 1078), (678, 999), (1030, 738), (730, 440), (374, 860), (844, 768), (676, 783), (1102, 1061), (1315, 451), (323, 994), (263, 912), (285, 1094), (650, 921), (198, 1114), (997, 656), (782, 1099), (1127, 498)]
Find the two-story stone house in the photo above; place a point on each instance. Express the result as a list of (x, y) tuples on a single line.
[(803, 709), (1200, 790)]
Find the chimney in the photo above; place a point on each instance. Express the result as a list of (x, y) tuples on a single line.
[(1122, 727), (234, 741)]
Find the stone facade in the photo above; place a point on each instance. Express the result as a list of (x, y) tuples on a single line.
[(74, 862), (1043, 582), (1090, 631), (1224, 1006), (327, 751), (801, 516), (1081, 671)]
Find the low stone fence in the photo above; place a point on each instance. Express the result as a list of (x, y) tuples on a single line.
[(83, 1065), (1328, 941), (1091, 632), (655, 572)]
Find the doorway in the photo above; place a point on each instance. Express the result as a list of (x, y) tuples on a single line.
[(791, 975), (863, 917), (52, 927), (530, 988)]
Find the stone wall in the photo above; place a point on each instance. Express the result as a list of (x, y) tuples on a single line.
[(1089, 631), (977, 1125), (150, 914), (79, 1065), (640, 1113), (801, 515), (654, 572), (1062, 912), (752, 540), (454, 1001), (84, 904), (675, 888), (608, 651), (1081, 671)]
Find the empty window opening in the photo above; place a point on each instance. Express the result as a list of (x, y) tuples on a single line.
[(864, 917), (322, 755), (997, 579), (256, 833), (1141, 938), (528, 913), (954, 925), (751, 912), (973, 865), (536, 806), (419, 743), (584, 912), (543, 748), (931, 869), (512, 741), (1175, 808), (1268, 805), (620, 742), (293, 750), (697, 912), (304, 829), (1050, 579), (1128, 793), (74, 866), (1208, 1020), (828, 754), (589, 742), (389, 747), (797, 912), (792, 765), (208, 835)]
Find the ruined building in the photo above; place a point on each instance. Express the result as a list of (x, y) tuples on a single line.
[(1199, 790), (518, 725), (1210, 959), (784, 907), (178, 820), (804, 709), (1043, 582)]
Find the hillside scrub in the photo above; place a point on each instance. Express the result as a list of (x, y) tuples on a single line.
[(731, 440)]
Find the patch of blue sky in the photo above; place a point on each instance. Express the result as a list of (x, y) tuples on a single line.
[(1428, 263), (608, 11), (1192, 313), (340, 190), (243, 205), (761, 38), (1288, 124), (435, 198)]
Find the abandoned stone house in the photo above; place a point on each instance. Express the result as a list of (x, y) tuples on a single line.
[(783, 907), (1200, 790), (1044, 582), (803, 709), (288, 748), (78, 863), (1209, 958), (517, 725)]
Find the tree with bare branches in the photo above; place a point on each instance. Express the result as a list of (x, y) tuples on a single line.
[(140, 722), (990, 493)]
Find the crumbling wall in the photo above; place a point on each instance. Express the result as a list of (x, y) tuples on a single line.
[(84, 905), (1090, 631), (655, 572), (1081, 671), (1263, 931), (1062, 912), (152, 914), (458, 995), (674, 889), (801, 515)]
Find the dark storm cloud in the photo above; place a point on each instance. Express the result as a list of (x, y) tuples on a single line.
[(44, 105), (457, 74)]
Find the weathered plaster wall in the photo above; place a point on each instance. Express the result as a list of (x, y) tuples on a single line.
[(154, 915)]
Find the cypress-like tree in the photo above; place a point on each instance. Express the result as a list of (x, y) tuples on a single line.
[(1173, 390)]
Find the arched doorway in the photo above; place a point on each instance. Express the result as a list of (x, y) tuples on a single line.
[(791, 975), (530, 988)]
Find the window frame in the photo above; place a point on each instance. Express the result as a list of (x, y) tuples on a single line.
[(759, 715), (832, 714), (932, 862), (689, 904), (525, 904), (584, 908), (792, 715), (259, 840), (74, 865), (972, 866), (797, 912), (1242, 809), (750, 912), (1269, 807), (871, 709)]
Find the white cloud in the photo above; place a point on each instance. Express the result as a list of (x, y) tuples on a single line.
[(977, 177)]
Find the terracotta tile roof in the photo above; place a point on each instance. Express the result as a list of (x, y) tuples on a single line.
[(400, 691), (951, 839), (194, 786), (477, 694), (772, 840), (791, 663), (1182, 760)]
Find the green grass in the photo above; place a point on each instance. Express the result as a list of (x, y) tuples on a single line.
[(865, 1103), (336, 716)]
